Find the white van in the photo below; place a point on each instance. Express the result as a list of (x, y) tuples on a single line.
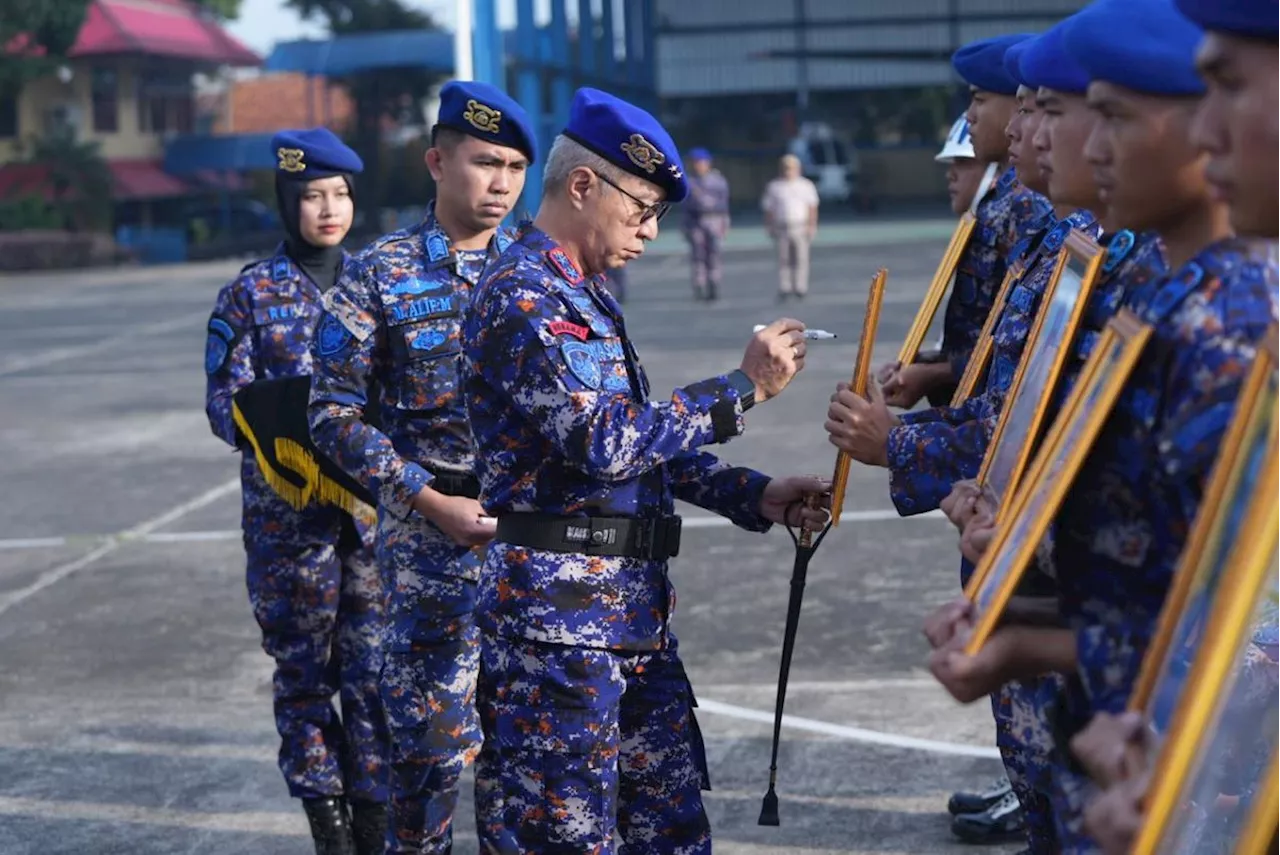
[(826, 160)]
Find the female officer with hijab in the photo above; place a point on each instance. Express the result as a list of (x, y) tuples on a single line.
[(312, 578)]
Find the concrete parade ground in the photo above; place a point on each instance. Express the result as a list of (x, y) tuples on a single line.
[(135, 699)]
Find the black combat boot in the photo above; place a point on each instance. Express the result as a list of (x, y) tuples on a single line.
[(369, 827), (963, 802), (330, 827), (1001, 822)]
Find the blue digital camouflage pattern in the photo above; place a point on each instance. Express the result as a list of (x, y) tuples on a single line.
[(1009, 213), (1125, 520), (393, 322), (582, 693), (1026, 742), (932, 449), (581, 743), (312, 579)]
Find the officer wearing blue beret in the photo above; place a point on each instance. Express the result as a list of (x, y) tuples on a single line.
[(1006, 213), (393, 323), (1123, 523), (311, 574), (1236, 124), (706, 222), (588, 720)]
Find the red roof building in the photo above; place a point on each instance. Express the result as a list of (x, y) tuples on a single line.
[(126, 85)]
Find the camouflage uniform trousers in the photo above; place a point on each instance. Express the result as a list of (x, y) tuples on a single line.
[(705, 237), (317, 597), (1026, 743), (1070, 794), (581, 742), (428, 679)]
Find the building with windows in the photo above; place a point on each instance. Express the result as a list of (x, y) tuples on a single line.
[(127, 86), (868, 83)]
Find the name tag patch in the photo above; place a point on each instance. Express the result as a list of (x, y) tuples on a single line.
[(275, 314), (421, 309)]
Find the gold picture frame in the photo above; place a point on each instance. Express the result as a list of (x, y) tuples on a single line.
[(1048, 347), (942, 278), (1263, 825), (1203, 561), (861, 376), (1055, 466), (1189, 763), (976, 367)]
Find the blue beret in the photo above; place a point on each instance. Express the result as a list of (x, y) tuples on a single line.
[(981, 63), (1012, 62), (1144, 45), (1251, 18), (486, 112), (1045, 62), (306, 155), (627, 137), (699, 154)]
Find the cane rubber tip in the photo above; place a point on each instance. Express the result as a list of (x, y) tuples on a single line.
[(769, 810)]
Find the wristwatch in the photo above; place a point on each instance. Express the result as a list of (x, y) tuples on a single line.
[(745, 387)]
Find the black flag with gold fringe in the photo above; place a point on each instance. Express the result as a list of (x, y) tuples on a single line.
[(272, 415)]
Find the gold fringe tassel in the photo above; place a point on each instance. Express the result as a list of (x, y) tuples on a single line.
[(300, 461)]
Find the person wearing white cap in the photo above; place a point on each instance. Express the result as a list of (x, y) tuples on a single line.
[(967, 177)]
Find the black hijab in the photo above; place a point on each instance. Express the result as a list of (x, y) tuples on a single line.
[(321, 264)]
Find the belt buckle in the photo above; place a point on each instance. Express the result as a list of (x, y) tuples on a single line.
[(591, 536)]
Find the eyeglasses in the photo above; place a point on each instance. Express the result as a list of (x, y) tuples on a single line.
[(648, 212)]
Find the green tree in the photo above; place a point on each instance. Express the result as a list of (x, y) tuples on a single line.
[(78, 177), (35, 36), (378, 92), (223, 10)]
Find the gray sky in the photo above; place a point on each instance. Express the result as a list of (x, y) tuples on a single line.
[(264, 22)]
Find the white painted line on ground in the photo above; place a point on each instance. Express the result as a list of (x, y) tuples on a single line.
[(33, 543), (152, 536), (61, 354), (138, 532), (857, 734)]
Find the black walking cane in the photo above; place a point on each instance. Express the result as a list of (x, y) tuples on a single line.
[(806, 546)]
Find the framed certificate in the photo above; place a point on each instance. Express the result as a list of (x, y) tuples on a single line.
[(861, 375), (1260, 832), (1218, 756), (1203, 563), (1221, 714), (1053, 470), (942, 279), (1048, 346)]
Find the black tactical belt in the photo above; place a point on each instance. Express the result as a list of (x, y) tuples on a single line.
[(616, 537), (455, 483)]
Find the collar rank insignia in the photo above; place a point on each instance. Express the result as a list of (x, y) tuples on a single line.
[(280, 269), (1053, 240), (1117, 250), (291, 159), (643, 153), (482, 117), (437, 247), (501, 240), (565, 266)]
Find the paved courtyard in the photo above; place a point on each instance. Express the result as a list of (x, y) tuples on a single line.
[(135, 700)]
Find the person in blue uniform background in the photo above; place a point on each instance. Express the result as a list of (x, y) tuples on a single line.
[(1125, 519), (312, 579), (394, 319), (587, 711)]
